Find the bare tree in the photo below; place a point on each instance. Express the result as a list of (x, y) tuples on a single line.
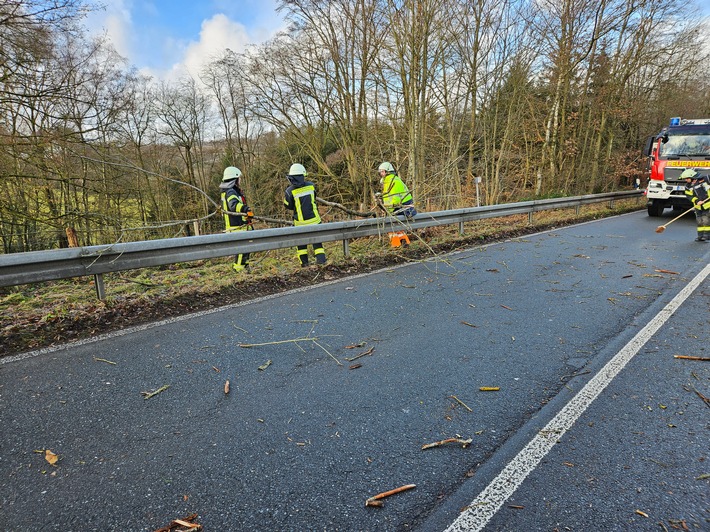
[(350, 33), (492, 48), (416, 46), (138, 138), (183, 116), (243, 131)]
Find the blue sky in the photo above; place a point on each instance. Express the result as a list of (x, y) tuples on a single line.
[(169, 38)]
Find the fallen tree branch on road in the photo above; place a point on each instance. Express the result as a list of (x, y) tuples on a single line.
[(691, 388), (148, 395), (461, 403), (187, 524), (375, 500), (464, 443)]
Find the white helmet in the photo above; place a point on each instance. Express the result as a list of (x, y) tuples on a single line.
[(387, 167), (690, 173), (297, 169), (231, 173)]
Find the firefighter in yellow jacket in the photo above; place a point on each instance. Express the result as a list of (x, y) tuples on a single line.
[(237, 215), (300, 197), (395, 195), (697, 188)]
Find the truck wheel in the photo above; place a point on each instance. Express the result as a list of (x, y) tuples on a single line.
[(654, 208)]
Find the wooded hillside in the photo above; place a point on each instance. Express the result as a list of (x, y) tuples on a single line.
[(537, 98)]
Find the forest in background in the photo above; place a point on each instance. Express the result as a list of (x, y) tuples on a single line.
[(536, 98)]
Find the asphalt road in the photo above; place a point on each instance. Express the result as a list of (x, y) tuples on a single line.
[(303, 442)]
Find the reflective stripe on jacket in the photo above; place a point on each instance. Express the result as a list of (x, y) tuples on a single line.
[(699, 191), (301, 199), (233, 201)]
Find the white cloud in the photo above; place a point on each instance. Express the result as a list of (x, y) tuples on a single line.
[(115, 23), (216, 35), (159, 52)]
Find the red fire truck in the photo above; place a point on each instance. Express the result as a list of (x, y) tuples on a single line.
[(685, 143)]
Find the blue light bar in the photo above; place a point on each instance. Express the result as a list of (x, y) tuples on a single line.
[(675, 121)]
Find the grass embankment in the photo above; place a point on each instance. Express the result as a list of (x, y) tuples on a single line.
[(44, 314)]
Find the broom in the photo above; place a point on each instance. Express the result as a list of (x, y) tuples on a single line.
[(662, 228)]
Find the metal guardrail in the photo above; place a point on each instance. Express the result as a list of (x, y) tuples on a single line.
[(39, 266)]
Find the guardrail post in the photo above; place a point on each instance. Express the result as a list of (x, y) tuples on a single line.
[(577, 209), (100, 288), (461, 228), (611, 204), (530, 217), (346, 248)]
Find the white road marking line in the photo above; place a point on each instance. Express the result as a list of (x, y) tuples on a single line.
[(489, 501)]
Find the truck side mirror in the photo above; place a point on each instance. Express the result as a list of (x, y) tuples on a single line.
[(648, 147)]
